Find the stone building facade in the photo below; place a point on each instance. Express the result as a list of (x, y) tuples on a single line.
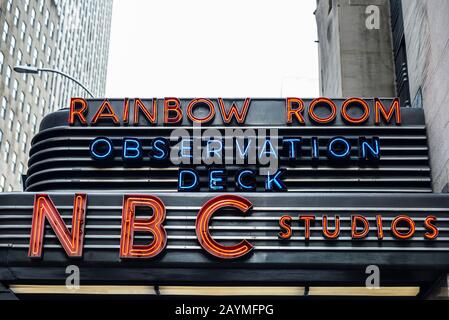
[(427, 38), (406, 56)]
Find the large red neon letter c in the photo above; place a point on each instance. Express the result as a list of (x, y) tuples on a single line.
[(202, 227)]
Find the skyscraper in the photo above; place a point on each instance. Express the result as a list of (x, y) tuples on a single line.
[(405, 55), (355, 59), (68, 35), (83, 47)]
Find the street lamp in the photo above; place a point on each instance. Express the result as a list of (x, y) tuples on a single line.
[(36, 70)]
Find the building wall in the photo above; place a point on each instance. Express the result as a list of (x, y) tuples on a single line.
[(83, 48), (71, 36), (327, 18), (26, 36), (354, 60), (426, 26)]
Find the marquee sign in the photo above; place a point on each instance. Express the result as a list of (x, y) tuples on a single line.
[(401, 227), (355, 111), (227, 183)]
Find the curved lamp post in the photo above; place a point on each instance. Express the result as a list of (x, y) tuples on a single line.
[(35, 70)]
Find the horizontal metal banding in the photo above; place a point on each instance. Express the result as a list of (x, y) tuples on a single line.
[(103, 227), (60, 160)]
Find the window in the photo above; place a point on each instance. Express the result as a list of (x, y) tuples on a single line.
[(43, 104), (29, 43), (38, 30), (48, 54), (52, 30), (14, 89), (10, 188), (41, 6), (23, 28), (21, 171), (2, 59), (22, 100), (32, 17), (47, 16), (13, 163), (34, 123), (16, 16), (5, 31), (27, 5), (2, 183), (6, 151), (24, 142), (19, 57), (37, 95), (28, 112), (18, 131), (51, 106), (12, 46), (8, 76), (34, 56), (4, 107), (9, 5), (400, 53), (44, 42), (11, 119), (45, 75), (1, 138), (31, 86)]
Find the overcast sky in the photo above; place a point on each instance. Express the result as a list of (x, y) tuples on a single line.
[(205, 48)]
